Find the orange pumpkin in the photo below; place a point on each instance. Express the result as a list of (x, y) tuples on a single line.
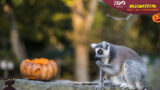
[(156, 18), (40, 69)]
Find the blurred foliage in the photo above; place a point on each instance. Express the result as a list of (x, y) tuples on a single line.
[(68, 3), (44, 27)]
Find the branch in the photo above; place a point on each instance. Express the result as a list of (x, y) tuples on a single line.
[(90, 14), (18, 47), (78, 8), (120, 18)]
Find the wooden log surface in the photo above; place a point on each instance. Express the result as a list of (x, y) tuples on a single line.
[(25, 84)]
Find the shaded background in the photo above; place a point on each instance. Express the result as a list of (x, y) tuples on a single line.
[(64, 29)]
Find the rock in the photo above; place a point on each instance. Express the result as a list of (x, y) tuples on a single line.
[(25, 84)]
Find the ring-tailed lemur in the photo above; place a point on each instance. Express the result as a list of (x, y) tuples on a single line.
[(114, 60)]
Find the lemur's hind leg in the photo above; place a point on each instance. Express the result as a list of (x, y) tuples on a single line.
[(129, 74), (134, 74)]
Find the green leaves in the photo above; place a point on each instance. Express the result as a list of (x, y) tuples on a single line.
[(17, 2), (60, 16), (2, 2), (68, 3)]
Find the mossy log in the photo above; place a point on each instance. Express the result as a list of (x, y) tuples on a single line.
[(25, 84)]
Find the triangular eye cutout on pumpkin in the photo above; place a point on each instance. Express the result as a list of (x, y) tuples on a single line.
[(37, 71)]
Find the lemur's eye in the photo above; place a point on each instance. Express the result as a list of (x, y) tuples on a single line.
[(100, 51)]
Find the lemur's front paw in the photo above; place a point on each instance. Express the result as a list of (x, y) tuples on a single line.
[(123, 86), (100, 63), (101, 84), (99, 87)]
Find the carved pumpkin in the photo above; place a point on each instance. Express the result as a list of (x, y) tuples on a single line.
[(40, 69), (156, 18)]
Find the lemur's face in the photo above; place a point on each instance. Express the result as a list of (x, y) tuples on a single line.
[(102, 50)]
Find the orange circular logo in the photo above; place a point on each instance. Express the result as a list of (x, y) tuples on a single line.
[(156, 18)]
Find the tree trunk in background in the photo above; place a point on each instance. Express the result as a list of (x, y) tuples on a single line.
[(82, 21), (17, 47), (82, 62), (159, 38)]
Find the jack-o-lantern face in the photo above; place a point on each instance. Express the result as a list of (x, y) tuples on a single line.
[(40, 69), (156, 18)]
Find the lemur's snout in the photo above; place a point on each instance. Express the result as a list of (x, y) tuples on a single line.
[(97, 58)]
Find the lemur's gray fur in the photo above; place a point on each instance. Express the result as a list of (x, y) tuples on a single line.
[(114, 60)]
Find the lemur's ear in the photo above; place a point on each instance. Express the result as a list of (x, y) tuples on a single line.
[(93, 45), (104, 44)]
